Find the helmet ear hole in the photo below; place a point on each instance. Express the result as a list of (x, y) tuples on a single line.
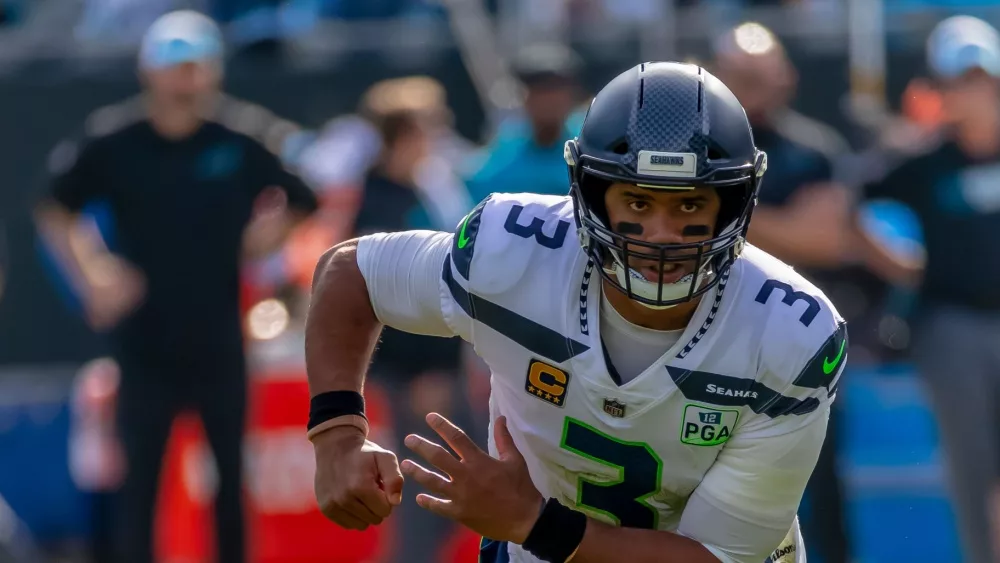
[(593, 188), (621, 147), (733, 205)]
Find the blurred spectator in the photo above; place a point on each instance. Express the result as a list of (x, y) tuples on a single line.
[(341, 157), (526, 154), (802, 210), (190, 190), (953, 189), (802, 217), (412, 117), (400, 112), (420, 372)]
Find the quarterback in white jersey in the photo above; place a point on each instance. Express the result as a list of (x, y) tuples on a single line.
[(660, 389)]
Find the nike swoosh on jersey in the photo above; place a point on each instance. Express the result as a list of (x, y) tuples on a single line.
[(537, 338), (726, 390), (462, 239), (829, 366), (465, 239), (821, 369)]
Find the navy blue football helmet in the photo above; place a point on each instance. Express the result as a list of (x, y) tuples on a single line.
[(664, 126)]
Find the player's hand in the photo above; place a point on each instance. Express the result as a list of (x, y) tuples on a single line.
[(493, 497), (357, 482), (114, 289)]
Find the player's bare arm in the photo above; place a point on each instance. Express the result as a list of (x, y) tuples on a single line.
[(341, 328), (357, 482)]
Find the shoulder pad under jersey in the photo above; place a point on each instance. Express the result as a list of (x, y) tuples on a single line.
[(506, 234), (804, 340)]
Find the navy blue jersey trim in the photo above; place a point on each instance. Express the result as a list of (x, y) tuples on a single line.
[(493, 551), (726, 390), (539, 339), (615, 376)]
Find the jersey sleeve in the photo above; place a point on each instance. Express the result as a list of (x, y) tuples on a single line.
[(448, 284), (76, 165), (748, 500), (403, 272)]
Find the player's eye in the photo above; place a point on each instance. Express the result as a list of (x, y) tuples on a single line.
[(689, 207), (638, 205)]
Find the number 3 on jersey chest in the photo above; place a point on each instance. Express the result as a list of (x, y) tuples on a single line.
[(639, 474)]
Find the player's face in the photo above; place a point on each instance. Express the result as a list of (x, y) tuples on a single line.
[(184, 84), (662, 217)]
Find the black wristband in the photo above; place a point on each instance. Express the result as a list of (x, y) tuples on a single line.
[(332, 404), (557, 533)]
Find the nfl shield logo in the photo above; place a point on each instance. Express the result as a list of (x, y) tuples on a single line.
[(614, 408)]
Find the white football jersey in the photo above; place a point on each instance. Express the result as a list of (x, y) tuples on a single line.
[(715, 440)]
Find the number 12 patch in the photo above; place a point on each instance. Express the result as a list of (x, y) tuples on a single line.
[(705, 426)]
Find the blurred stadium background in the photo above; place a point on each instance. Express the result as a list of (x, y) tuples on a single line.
[(311, 62)]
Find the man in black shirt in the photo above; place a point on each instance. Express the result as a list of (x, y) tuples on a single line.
[(954, 189), (182, 180)]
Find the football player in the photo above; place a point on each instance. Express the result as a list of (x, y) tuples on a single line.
[(660, 389)]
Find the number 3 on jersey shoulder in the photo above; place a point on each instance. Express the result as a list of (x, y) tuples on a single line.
[(464, 244), (512, 226), (639, 475), (790, 297)]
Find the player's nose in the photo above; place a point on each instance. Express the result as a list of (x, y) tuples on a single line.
[(664, 232)]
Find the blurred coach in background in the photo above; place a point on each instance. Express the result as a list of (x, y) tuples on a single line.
[(954, 189), (182, 177), (802, 218)]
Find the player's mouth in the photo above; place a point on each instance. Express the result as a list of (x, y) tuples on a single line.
[(672, 272)]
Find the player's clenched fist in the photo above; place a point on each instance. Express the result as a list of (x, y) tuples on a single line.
[(357, 481)]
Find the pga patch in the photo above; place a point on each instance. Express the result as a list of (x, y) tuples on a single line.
[(704, 426)]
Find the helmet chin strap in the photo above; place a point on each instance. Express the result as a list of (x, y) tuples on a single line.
[(646, 289)]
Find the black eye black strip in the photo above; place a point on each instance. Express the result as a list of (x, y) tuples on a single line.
[(626, 228)]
